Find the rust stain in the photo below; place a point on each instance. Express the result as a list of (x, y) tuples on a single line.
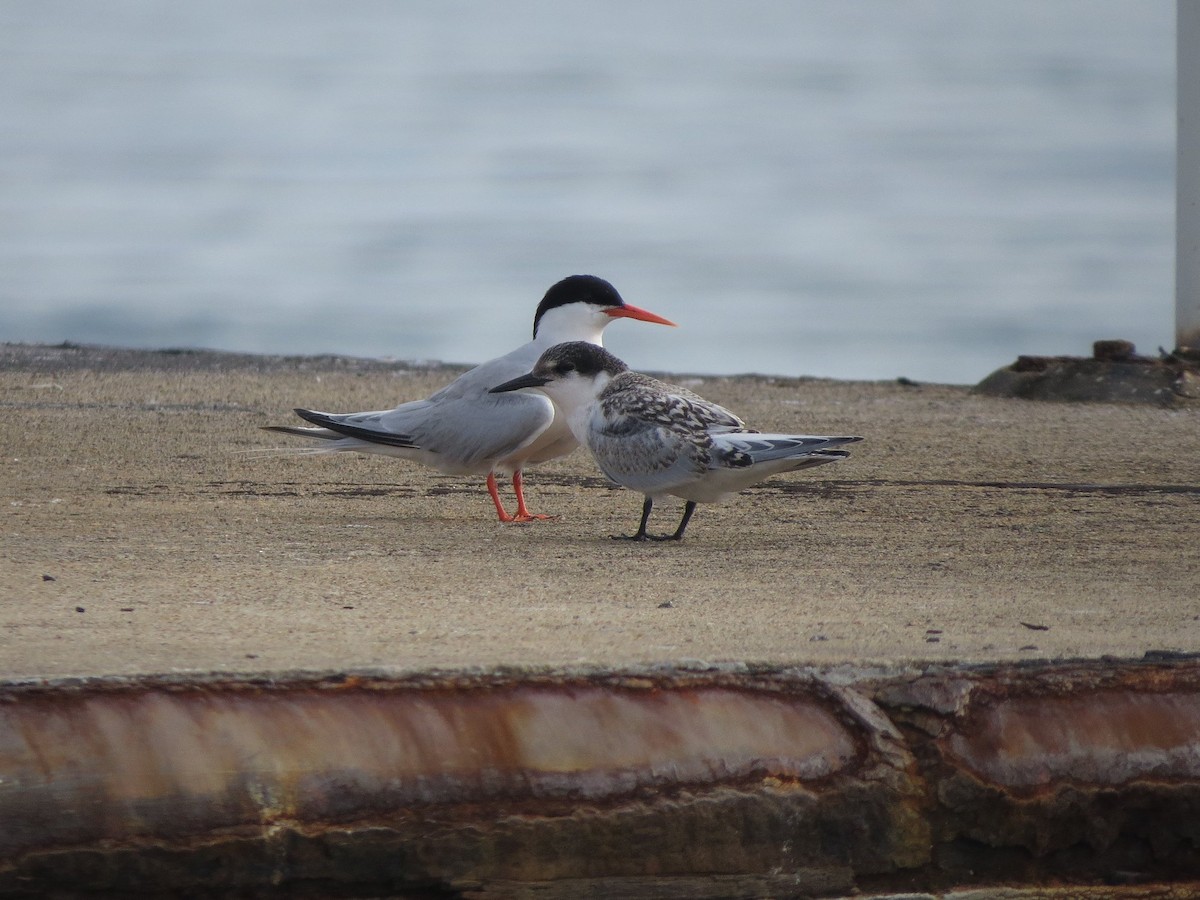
[(1061, 773), (1104, 737), (121, 764)]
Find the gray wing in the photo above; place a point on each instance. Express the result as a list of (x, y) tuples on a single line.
[(462, 422), (647, 457), (466, 431), (650, 440), (740, 449), (462, 425), (651, 436), (469, 430)]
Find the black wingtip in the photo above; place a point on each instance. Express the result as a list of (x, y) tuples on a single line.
[(369, 435), (316, 418)]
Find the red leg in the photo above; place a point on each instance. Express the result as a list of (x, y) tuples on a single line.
[(495, 492), (523, 514)]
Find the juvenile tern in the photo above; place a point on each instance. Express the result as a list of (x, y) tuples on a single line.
[(463, 429), (659, 439)]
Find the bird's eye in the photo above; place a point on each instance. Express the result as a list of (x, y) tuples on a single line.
[(564, 368)]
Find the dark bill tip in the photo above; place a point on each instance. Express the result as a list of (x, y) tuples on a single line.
[(522, 381)]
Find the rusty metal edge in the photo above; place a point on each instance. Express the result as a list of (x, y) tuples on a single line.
[(879, 697)]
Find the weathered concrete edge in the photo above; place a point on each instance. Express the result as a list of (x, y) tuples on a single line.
[(849, 673), (1074, 770)]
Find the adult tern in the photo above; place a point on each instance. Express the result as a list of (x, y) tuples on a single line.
[(463, 429)]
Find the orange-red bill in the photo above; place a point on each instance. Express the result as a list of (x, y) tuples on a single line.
[(634, 312)]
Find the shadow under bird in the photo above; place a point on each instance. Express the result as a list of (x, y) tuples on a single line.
[(463, 429), (660, 439)]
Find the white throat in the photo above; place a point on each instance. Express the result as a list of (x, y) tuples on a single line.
[(573, 322), (578, 399)]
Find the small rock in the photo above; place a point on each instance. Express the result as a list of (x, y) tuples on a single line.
[(80, 609), (666, 605), (49, 578), (1113, 351)]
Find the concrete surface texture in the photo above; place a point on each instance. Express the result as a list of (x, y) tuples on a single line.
[(146, 533)]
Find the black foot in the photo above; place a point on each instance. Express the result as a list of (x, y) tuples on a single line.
[(642, 538), (641, 535)]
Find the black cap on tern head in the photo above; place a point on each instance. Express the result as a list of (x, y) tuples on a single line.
[(577, 289), (578, 356)]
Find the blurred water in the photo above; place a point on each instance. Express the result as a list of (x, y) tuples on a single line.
[(857, 190)]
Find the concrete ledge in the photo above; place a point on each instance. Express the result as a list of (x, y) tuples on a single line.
[(725, 781)]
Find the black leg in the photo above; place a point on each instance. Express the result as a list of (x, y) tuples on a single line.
[(641, 532), (688, 509)]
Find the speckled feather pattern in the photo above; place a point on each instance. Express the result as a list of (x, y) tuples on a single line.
[(647, 434), (660, 438)]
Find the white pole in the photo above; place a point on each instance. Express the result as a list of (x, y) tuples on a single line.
[(1187, 175)]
